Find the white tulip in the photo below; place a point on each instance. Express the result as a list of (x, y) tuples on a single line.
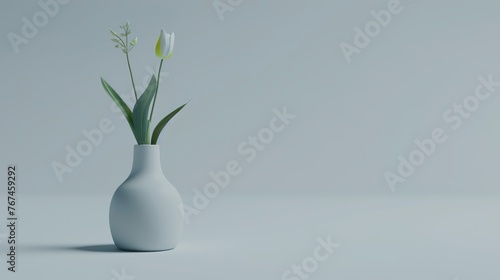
[(165, 45)]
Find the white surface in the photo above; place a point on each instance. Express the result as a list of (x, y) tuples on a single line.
[(259, 237)]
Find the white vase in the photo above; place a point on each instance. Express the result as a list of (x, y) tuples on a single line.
[(146, 212)]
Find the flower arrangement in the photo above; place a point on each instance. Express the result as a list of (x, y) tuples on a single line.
[(140, 117)]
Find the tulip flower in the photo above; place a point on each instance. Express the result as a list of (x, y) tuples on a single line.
[(165, 45), (141, 115)]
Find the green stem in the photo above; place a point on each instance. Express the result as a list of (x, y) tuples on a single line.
[(129, 68), (131, 76), (156, 93)]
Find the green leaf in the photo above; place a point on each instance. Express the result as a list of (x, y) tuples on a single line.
[(140, 113), (162, 123), (119, 102)]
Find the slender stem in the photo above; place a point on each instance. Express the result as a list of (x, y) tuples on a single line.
[(156, 93), (128, 63), (131, 76)]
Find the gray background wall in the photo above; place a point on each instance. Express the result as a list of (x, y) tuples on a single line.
[(353, 119)]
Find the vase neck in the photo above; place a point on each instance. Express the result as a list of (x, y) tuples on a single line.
[(146, 159)]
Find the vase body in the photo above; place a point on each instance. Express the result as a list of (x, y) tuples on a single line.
[(146, 211)]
